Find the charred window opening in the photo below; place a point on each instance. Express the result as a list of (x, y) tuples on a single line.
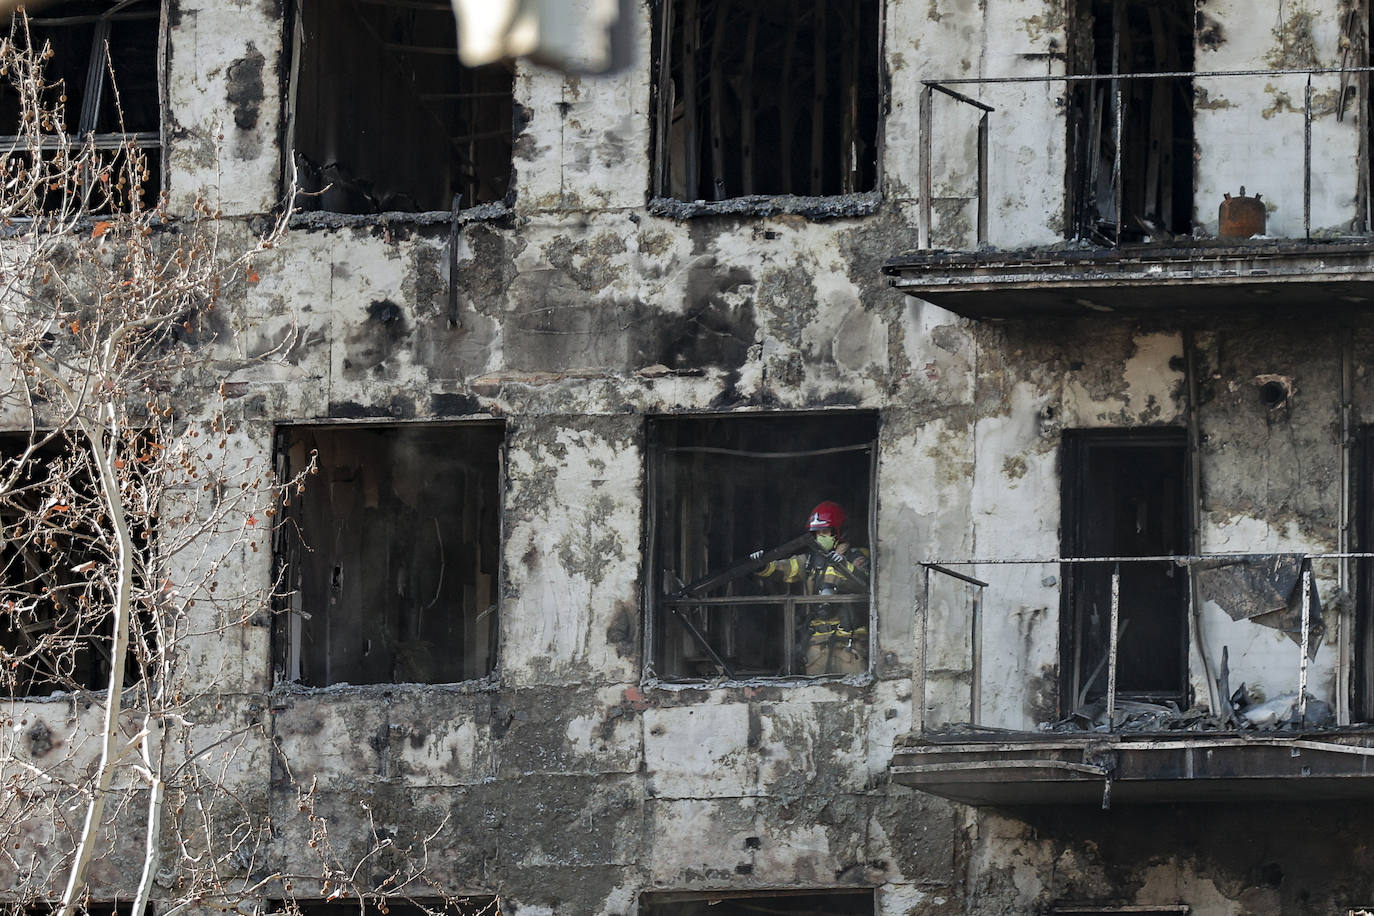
[(384, 116), (55, 627), (105, 64), (848, 902), (391, 554), (770, 97), (724, 488), (1156, 142), (1125, 495), (479, 905), (1136, 910)]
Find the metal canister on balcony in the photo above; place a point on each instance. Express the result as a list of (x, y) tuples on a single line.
[(1240, 217)]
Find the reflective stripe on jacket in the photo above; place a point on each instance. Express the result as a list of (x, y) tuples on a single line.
[(797, 569)]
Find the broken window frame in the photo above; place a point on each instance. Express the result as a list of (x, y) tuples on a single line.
[(651, 903), (288, 631), (1077, 578), (855, 170), (694, 624), (97, 82), (465, 146)]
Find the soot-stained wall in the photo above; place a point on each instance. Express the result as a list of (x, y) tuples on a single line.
[(565, 781)]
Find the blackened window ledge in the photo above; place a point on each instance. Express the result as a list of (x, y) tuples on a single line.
[(323, 219), (838, 206)]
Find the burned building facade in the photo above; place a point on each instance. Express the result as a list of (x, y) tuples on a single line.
[(565, 344)]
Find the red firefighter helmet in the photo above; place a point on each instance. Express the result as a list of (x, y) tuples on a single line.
[(826, 515)]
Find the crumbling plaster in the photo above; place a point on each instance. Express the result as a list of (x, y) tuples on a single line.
[(563, 782)]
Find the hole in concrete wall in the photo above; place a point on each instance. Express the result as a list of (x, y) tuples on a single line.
[(80, 32), (392, 554), (1273, 393), (770, 97), (1110, 36), (1125, 494), (848, 902), (53, 630), (385, 118), (722, 488), (478, 905)]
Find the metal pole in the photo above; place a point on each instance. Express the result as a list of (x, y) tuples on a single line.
[(1307, 159), (1117, 190), (925, 649), (975, 701), (1118, 116), (983, 180), (923, 219), (1344, 622), (1111, 649), (1306, 622)]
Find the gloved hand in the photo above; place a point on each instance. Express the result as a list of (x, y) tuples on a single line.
[(756, 555), (837, 557)]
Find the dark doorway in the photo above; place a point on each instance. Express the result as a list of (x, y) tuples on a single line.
[(1125, 494), (1156, 142), (1362, 709)]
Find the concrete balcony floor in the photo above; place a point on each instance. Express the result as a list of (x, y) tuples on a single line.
[(1193, 277), (1008, 769)]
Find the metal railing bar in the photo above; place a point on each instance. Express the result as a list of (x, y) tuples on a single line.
[(957, 575), (779, 600), (1171, 558), (958, 95), (1154, 75), (1306, 635), (1307, 159), (1112, 652)]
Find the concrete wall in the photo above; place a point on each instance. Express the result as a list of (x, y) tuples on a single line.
[(565, 784)]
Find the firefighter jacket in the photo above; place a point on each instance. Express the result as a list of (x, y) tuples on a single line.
[(823, 578)]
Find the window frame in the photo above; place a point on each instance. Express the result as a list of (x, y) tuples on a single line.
[(286, 625), (97, 80), (661, 200), (655, 612), (293, 39)]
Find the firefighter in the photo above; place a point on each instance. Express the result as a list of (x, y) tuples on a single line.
[(836, 637)]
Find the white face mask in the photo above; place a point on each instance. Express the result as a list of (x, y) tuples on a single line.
[(825, 541)]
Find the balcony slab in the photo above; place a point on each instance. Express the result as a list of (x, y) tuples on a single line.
[(1016, 770), (1197, 278)]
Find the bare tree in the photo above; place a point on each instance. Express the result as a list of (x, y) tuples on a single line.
[(129, 525)]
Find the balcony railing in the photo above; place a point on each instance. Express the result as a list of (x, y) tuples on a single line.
[(1194, 757), (987, 147), (1045, 574)]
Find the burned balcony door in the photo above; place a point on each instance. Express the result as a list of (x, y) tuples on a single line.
[(1153, 168), (1125, 495)]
